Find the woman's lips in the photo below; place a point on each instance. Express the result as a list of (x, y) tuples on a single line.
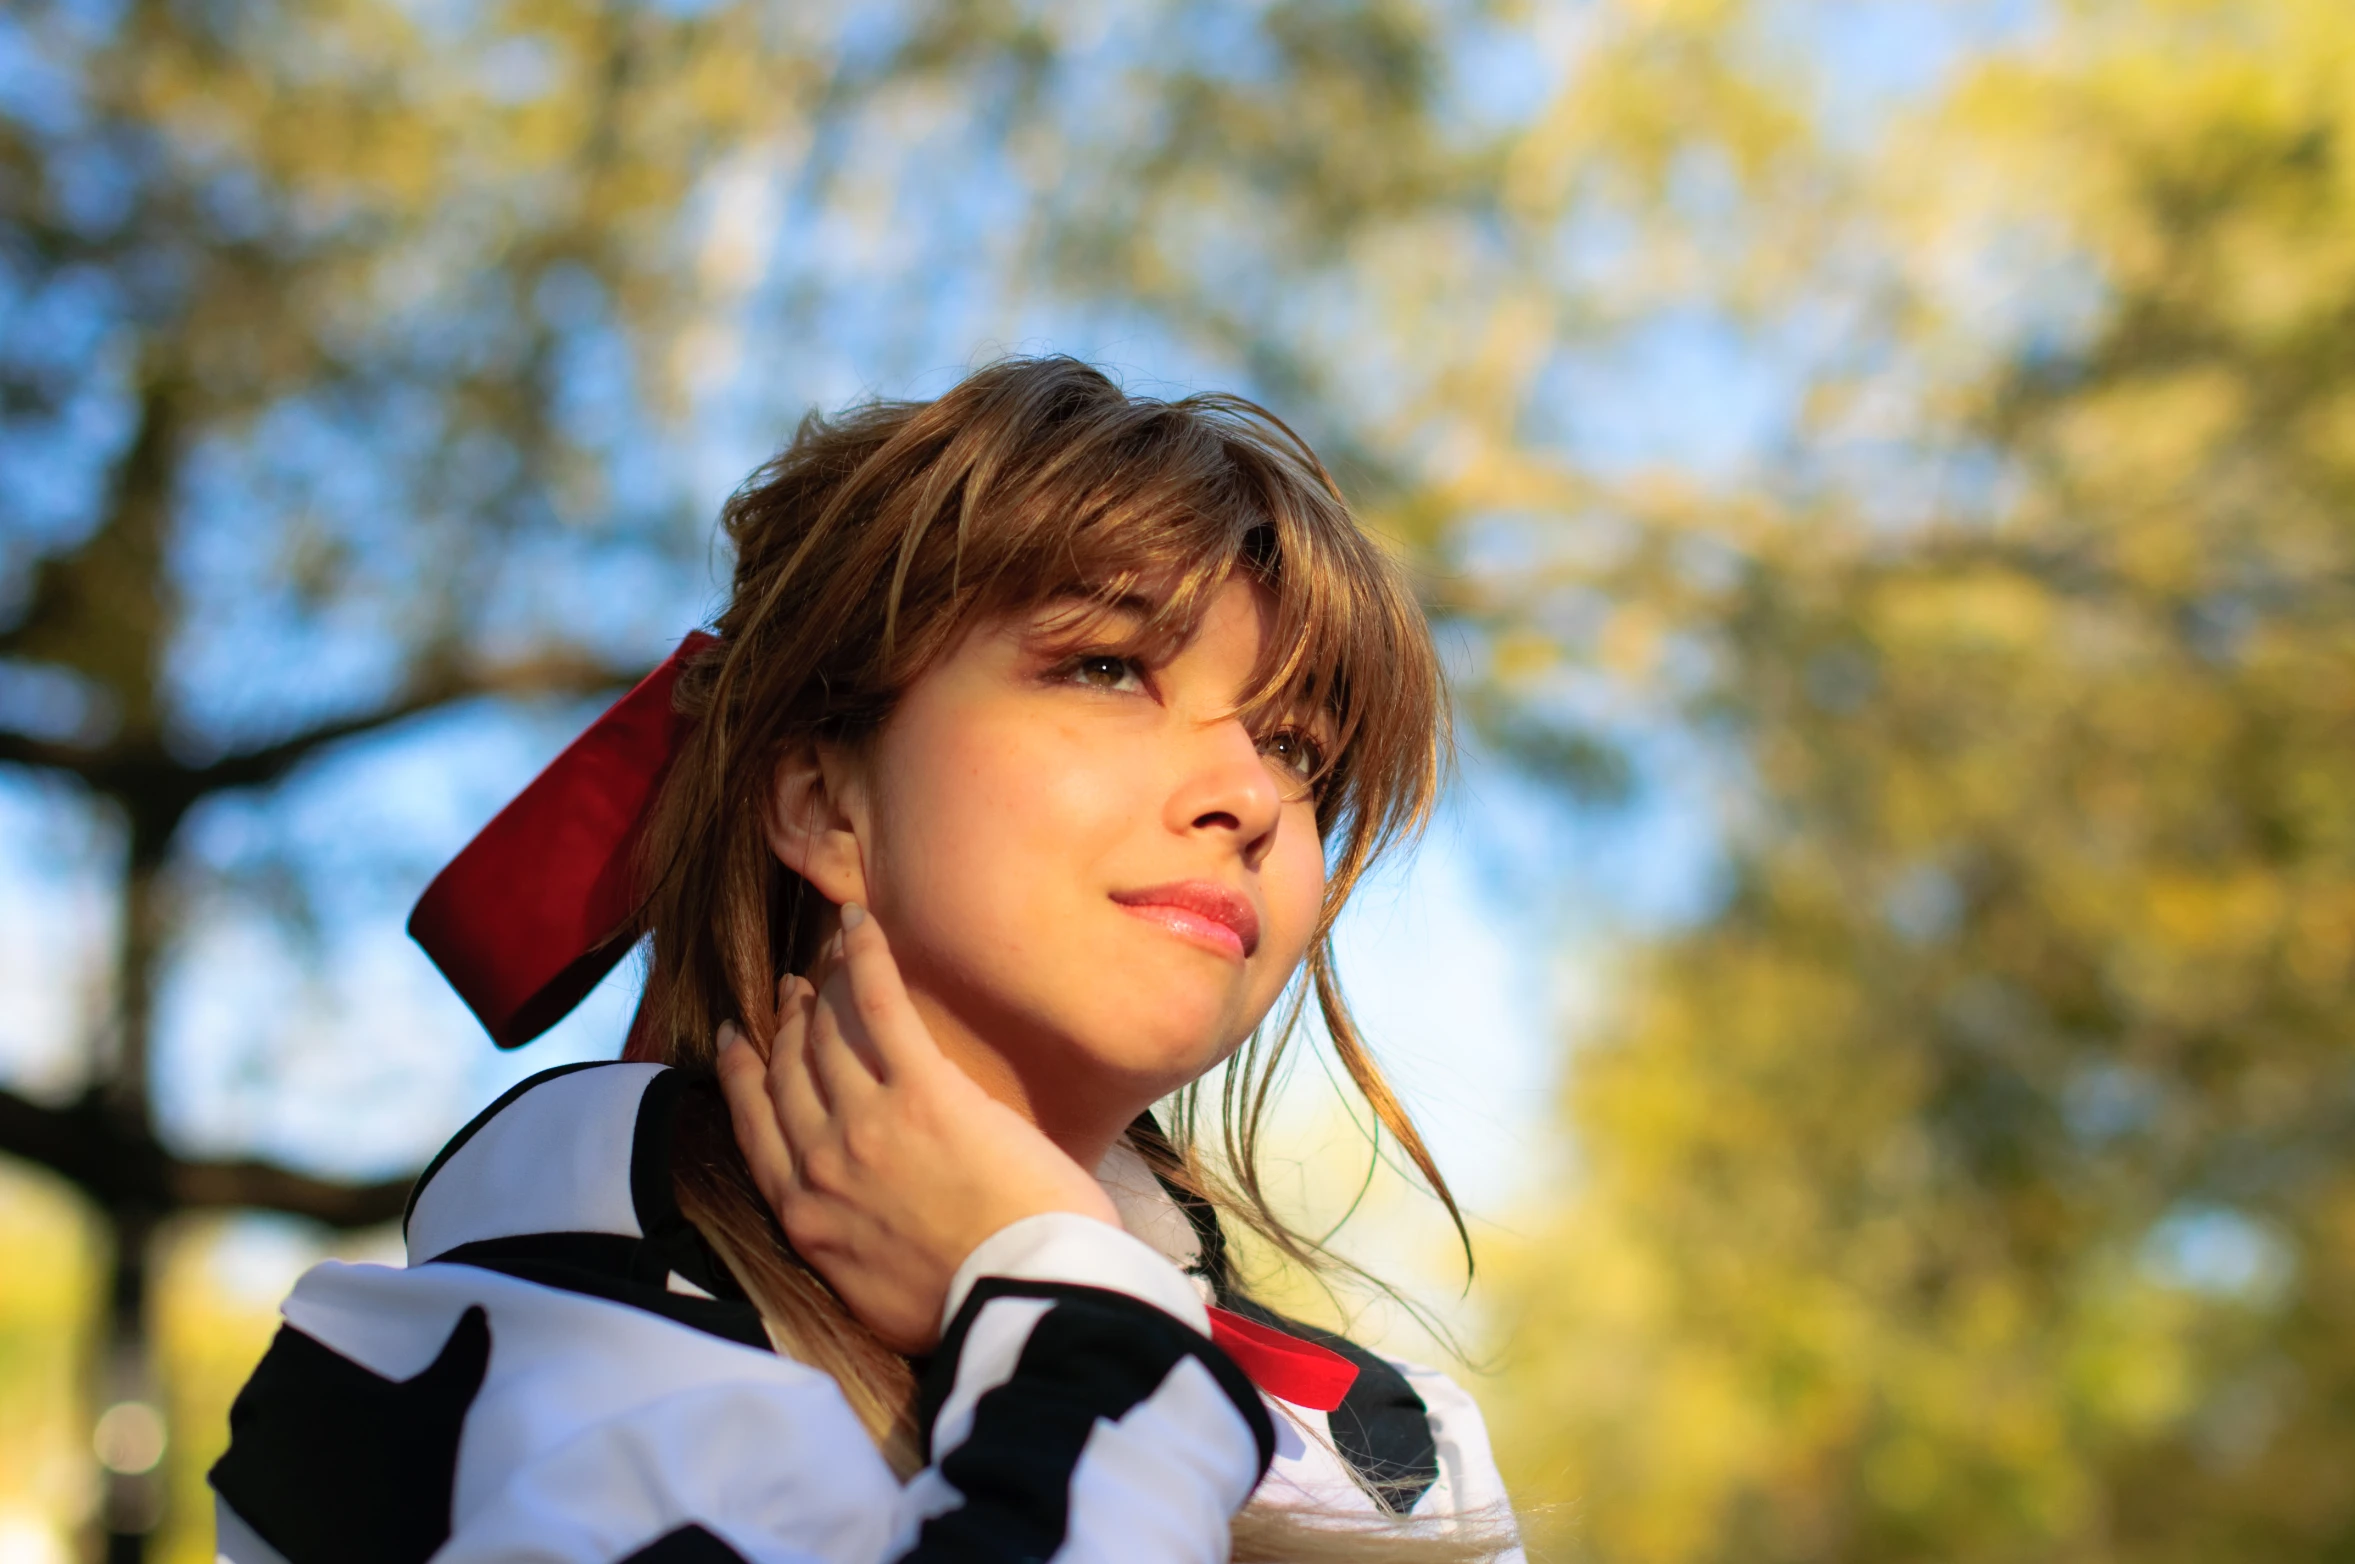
[(1203, 909)]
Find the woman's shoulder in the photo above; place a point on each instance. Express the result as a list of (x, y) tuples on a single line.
[(580, 1150), (1467, 1479), (1382, 1430), (1406, 1433), (550, 1298)]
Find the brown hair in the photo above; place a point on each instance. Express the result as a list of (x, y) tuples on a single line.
[(862, 553)]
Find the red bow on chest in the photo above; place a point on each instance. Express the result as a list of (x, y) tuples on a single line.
[(1281, 1364)]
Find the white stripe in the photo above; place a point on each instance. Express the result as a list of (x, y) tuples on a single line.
[(560, 1363), (555, 1160), (777, 1476), (1468, 1482), (992, 1349), (1145, 1483), (1063, 1246), (1146, 1209)]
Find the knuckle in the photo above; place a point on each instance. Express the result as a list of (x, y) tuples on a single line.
[(862, 1140), (825, 1168), (808, 1230), (783, 1197)]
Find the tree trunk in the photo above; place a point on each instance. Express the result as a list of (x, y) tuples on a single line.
[(131, 1434)]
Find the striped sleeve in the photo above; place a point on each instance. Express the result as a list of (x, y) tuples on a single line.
[(1071, 1413), (1082, 1419)]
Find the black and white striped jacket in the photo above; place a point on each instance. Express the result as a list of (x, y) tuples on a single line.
[(563, 1374)]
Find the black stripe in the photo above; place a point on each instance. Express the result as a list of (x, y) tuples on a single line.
[(615, 1267), (329, 1461), (476, 1123), (937, 1373), (1094, 1356), (673, 1243), (687, 1545), (651, 1195)]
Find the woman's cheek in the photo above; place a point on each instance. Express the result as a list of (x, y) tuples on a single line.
[(1294, 878)]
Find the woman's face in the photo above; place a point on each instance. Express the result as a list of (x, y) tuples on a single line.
[(1095, 878)]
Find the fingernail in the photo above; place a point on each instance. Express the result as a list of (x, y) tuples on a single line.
[(853, 914), (729, 1036)]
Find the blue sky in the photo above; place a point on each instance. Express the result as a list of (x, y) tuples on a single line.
[(1474, 963)]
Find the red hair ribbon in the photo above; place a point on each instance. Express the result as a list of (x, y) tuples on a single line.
[(528, 918), (1283, 1365)]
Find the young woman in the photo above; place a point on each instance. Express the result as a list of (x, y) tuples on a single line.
[(1043, 735)]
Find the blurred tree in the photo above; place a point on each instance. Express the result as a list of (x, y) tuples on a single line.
[(1964, 1185), (1973, 1182), (339, 342), (301, 377), (220, 236)]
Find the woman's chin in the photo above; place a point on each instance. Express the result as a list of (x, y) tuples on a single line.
[(1159, 1054), (1142, 1024)]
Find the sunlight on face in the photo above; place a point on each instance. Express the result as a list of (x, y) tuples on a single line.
[(1096, 879)]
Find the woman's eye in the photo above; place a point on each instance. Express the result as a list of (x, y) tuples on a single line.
[(1104, 671), (1295, 751)]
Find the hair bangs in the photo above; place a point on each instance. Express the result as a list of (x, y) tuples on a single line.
[(1142, 511)]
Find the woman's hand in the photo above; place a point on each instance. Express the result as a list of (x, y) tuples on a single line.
[(884, 1162)]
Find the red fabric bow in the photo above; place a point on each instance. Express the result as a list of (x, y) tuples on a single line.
[(524, 921), (1283, 1365)]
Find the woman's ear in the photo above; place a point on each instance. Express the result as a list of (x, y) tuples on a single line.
[(814, 820)]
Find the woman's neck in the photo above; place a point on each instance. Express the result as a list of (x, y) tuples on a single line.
[(1074, 1108)]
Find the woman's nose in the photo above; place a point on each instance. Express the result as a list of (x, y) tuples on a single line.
[(1228, 788)]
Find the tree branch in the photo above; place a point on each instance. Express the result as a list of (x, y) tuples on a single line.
[(88, 1146), (264, 1186), (17, 749), (148, 768), (554, 674)]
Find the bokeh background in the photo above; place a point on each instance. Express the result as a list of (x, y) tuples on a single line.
[(1882, 473)]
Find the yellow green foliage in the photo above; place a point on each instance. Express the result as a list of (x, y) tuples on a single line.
[(212, 1327), (47, 1268), (1970, 1184), (1974, 1184)]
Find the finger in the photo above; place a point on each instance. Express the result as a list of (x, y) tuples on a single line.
[(880, 999), (841, 1055), (744, 1083), (802, 1107), (790, 991), (824, 960), (784, 998)]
